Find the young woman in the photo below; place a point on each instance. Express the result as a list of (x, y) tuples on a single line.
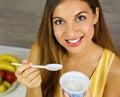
[(74, 34)]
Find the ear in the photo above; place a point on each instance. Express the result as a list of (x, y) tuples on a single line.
[(96, 15)]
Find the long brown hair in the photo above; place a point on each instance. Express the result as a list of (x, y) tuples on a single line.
[(51, 51), (102, 35)]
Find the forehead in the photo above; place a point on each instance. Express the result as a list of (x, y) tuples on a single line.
[(71, 6)]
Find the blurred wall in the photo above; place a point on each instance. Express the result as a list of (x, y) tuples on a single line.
[(19, 21), (111, 10)]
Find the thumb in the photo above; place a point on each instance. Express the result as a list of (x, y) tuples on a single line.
[(62, 93), (88, 93), (65, 94), (26, 62)]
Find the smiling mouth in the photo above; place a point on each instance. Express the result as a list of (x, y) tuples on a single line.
[(74, 42)]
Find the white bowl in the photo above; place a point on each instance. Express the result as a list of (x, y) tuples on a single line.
[(74, 83), (14, 85)]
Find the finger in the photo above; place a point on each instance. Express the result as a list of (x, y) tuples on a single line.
[(36, 82), (66, 95), (25, 61), (21, 69), (62, 93), (88, 93), (32, 74), (28, 75)]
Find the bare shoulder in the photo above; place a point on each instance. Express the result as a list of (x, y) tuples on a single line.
[(34, 53), (35, 47), (112, 88)]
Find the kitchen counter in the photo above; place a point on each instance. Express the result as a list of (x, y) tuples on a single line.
[(21, 53)]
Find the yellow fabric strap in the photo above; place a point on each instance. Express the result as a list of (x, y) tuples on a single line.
[(98, 80)]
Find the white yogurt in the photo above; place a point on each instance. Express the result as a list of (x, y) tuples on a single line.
[(74, 82)]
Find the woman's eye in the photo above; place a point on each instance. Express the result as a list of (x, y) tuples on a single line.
[(81, 18), (58, 22)]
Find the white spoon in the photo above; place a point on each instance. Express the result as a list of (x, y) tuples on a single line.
[(51, 67)]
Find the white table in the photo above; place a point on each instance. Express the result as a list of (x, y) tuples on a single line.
[(21, 53)]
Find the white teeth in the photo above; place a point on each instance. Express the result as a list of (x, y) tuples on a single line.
[(73, 41)]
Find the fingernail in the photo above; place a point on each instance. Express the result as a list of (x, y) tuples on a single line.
[(30, 64), (25, 61), (65, 94)]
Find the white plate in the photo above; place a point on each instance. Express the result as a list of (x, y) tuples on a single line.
[(14, 85)]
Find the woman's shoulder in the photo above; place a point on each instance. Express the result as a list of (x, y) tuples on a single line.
[(35, 45), (34, 52), (34, 48), (115, 67), (113, 80)]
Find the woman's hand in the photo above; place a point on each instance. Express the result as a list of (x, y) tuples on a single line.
[(28, 76), (63, 94), (88, 93)]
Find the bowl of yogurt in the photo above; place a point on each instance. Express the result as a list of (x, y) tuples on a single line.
[(74, 83)]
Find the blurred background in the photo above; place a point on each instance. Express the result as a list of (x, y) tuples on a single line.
[(20, 20)]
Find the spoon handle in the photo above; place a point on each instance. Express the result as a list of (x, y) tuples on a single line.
[(16, 64), (36, 66)]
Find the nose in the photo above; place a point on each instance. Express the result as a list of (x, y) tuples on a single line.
[(71, 29)]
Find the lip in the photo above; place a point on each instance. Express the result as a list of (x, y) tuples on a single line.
[(74, 42)]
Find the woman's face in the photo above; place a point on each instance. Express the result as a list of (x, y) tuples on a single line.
[(73, 24)]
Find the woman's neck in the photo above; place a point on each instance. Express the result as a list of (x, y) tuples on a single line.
[(91, 50), (85, 61)]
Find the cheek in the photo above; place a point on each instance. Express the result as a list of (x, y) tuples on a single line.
[(89, 29), (55, 31), (58, 32), (56, 36), (59, 35)]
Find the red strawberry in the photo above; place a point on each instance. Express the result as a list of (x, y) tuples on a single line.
[(10, 77)]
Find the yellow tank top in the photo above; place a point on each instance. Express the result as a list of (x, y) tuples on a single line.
[(98, 79)]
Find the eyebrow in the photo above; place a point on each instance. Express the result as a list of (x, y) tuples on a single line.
[(80, 13), (56, 17), (75, 14)]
